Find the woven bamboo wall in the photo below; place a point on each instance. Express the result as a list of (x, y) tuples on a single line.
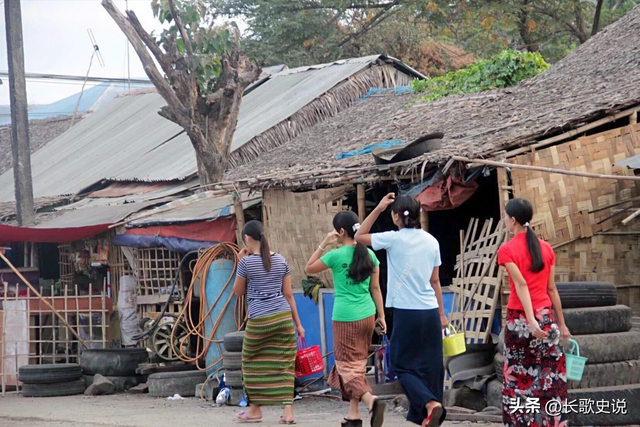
[(296, 223), (562, 204)]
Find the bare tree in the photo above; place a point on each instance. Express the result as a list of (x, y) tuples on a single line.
[(208, 115)]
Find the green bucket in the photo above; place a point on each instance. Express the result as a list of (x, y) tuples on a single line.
[(575, 363)]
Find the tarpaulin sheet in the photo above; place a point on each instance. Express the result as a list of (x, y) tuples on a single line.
[(10, 234), (448, 193), (172, 243), (220, 230)]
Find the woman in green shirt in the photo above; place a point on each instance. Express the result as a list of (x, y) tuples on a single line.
[(357, 298)]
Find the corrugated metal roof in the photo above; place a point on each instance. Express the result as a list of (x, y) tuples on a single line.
[(95, 215), (630, 162), (128, 141)]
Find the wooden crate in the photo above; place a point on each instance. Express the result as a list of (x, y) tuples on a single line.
[(156, 269)]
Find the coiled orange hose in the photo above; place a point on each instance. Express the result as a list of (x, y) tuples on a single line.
[(197, 328)]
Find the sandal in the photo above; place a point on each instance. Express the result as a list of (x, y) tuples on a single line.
[(437, 412), (377, 413), (242, 417), (351, 423), (283, 421)]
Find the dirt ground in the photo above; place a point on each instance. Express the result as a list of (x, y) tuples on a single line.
[(143, 411)]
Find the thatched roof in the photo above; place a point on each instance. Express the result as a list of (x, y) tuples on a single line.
[(600, 77), (40, 133)]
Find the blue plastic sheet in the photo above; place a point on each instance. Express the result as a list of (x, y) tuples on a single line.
[(366, 150), (172, 243)]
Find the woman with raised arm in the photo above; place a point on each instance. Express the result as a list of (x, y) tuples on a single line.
[(534, 363), (357, 299), (269, 347), (414, 292)]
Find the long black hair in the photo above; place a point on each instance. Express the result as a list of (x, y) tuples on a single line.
[(361, 265), (409, 210), (522, 211), (256, 231)]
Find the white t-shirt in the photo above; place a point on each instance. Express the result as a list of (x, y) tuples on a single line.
[(412, 254)]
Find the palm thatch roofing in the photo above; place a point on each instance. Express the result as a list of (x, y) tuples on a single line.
[(599, 78)]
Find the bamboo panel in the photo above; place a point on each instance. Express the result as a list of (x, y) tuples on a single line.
[(67, 272), (155, 272), (296, 223), (478, 281), (118, 267)]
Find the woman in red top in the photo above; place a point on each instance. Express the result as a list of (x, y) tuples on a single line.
[(534, 364)]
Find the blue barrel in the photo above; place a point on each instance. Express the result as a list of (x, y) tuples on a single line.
[(218, 275)]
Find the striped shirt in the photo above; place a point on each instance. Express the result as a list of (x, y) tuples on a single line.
[(264, 288)]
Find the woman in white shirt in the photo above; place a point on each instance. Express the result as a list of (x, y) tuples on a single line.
[(414, 292)]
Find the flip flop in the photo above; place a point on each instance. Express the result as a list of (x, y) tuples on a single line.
[(377, 413), (283, 421), (241, 417), (351, 423), (437, 412)]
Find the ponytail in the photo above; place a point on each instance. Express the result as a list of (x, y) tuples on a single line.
[(362, 265), (256, 231), (408, 209), (522, 211)]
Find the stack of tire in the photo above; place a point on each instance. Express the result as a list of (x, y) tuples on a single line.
[(51, 380), (232, 365), (607, 337), (117, 365)]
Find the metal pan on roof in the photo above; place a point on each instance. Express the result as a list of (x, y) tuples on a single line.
[(424, 144)]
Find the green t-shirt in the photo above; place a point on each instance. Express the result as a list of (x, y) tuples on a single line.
[(353, 300)]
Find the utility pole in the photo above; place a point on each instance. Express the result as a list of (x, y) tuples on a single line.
[(19, 115)]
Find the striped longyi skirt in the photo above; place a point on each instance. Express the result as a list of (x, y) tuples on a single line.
[(351, 343), (268, 359)]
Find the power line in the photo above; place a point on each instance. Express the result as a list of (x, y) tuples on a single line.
[(44, 76)]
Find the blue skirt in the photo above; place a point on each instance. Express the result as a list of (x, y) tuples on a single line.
[(416, 357)]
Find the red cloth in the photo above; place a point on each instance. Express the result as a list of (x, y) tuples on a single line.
[(220, 230), (517, 252), (10, 234), (449, 193)]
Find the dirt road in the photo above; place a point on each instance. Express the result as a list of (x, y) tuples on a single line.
[(143, 411)]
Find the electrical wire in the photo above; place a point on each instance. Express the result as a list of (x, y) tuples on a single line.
[(197, 328)]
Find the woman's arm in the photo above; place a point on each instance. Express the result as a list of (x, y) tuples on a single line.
[(525, 298), (435, 284), (287, 291), (314, 265), (376, 294), (240, 286), (363, 235), (556, 304)]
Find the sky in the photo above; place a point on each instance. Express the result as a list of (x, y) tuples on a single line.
[(56, 42)]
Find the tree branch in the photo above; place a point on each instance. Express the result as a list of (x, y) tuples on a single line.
[(150, 43), (596, 18), (180, 25), (379, 17)]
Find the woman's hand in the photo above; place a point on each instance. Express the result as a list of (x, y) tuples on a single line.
[(534, 327), (382, 323), (330, 239), (564, 333), (300, 330), (243, 252), (386, 202), (444, 320)]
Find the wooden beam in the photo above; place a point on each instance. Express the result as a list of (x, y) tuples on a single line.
[(362, 206), (240, 221), (548, 170), (424, 219), (633, 118)]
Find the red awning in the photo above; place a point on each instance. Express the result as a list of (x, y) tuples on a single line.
[(11, 234), (220, 230)]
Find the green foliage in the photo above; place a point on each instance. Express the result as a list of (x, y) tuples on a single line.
[(503, 70), (208, 42)]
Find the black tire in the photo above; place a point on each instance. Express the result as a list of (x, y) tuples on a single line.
[(49, 373), (494, 393), (232, 360), (121, 362), (629, 394), (498, 364), (233, 378), (121, 383), (598, 320), (167, 384), (609, 375), (68, 388), (609, 348), (233, 341), (587, 294)]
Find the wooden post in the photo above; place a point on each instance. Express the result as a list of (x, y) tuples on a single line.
[(362, 206), (633, 118), (424, 219), (23, 185), (503, 196), (240, 221)]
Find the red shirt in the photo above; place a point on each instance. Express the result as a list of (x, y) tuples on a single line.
[(517, 252)]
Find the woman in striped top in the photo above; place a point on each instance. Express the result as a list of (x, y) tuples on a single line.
[(269, 348)]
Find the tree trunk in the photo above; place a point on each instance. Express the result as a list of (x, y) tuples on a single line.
[(19, 115), (596, 18), (525, 35)]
